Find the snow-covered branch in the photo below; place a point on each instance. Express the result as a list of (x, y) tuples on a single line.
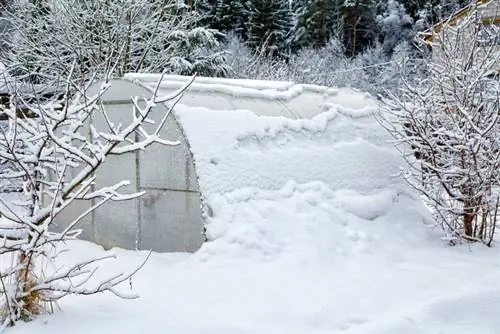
[(43, 39), (52, 152), (447, 127)]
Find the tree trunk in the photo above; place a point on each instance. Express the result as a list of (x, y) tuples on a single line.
[(469, 216), (320, 22), (28, 304), (354, 27)]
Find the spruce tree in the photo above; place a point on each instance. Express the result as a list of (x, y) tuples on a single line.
[(230, 16), (361, 27), (206, 11), (317, 21), (396, 26), (269, 26)]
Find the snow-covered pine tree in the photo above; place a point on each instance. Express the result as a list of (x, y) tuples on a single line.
[(317, 21), (396, 26), (195, 50), (206, 11), (195, 54), (231, 15), (269, 26)]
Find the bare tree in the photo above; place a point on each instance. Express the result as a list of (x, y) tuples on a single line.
[(54, 153), (447, 126), (45, 37), (371, 71)]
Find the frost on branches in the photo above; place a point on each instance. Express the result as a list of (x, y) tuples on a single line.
[(43, 38), (447, 126), (52, 152)]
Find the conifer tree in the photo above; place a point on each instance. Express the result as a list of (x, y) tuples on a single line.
[(206, 11), (317, 21), (395, 24), (231, 16), (360, 24), (269, 26)]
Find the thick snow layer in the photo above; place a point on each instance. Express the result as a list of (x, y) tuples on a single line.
[(236, 149), (180, 80), (242, 135), (302, 259), (309, 231), (259, 89), (233, 87), (310, 223)]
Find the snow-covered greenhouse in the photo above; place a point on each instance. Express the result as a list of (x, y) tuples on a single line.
[(233, 135)]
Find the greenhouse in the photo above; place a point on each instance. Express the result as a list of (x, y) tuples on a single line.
[(234, 135)]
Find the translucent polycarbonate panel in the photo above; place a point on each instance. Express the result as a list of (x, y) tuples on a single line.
[(171, 221)]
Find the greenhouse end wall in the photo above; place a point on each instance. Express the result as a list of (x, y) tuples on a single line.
[(168, 217)]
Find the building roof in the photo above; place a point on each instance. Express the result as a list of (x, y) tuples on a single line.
[(427, 35)]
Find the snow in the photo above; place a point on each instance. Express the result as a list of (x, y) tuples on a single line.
[(233, 87), (293, 261), (235, 149), (268, 98), (305, 223), (310, 230), (152, 78)]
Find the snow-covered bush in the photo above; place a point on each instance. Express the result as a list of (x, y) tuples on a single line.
[(44, 38), (327, 66), (372, 71), (448, 128), (55, 154), (245, 63)]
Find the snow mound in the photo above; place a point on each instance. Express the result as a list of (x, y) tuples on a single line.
[(291, 189), (310, 224)]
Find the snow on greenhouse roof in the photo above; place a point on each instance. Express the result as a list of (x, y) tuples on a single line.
[(245, 133), (266, 98)]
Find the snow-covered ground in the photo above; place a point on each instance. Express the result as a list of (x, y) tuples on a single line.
[(303, 259), (318, 245)]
